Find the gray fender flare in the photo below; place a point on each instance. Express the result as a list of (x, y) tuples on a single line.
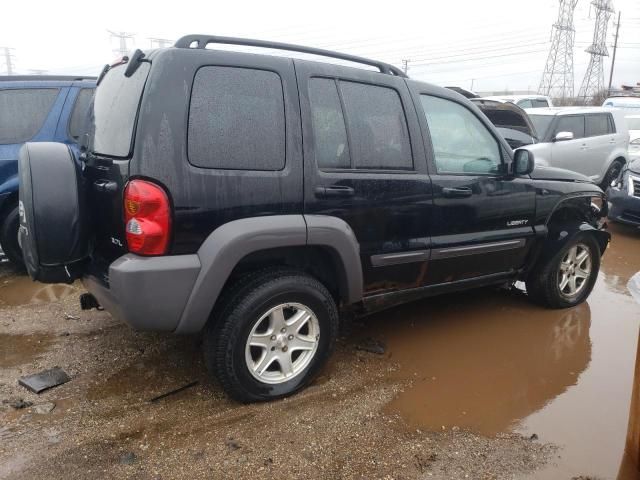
[(230, 243)]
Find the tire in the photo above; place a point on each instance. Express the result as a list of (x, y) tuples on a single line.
[(251, 309), (611, 175), (543, 285), (9, 238)]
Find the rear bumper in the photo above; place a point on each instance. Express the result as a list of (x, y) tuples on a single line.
[(148, 293), (623, 207)]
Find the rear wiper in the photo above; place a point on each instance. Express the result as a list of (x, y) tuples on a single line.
[(132, 64)]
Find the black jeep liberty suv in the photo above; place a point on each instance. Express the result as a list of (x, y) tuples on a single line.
[(253, 197)]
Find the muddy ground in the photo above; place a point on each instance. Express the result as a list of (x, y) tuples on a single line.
[(481, 386)]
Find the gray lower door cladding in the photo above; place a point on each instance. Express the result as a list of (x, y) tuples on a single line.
[(478, 249), (230, 243), (398, 258)]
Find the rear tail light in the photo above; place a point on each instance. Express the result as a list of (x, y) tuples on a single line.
[(147, 216)]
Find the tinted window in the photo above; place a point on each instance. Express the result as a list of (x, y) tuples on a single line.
[(461, 143), (574, 124), (597, 125), (115, 108), (236, 119), (541, 124), (538, 103), (329, 132), (22, 112), (78, 121), (379, 138), (525, 104)]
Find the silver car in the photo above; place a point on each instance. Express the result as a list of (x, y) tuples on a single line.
[(593, 141)]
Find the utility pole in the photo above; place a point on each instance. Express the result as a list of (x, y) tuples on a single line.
[(160, 42), (8, 59), (405, 65), (557, 79), (613, 59), (593, 82), (122, 37)]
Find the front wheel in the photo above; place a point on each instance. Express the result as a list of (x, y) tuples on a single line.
[(9, 238), (612, 174), (271, 336), (568, 277)]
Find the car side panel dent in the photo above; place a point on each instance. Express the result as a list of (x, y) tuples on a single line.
[(560, 235), (230, 243)]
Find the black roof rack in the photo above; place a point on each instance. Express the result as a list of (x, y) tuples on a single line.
[(201, 42), (61, 78)]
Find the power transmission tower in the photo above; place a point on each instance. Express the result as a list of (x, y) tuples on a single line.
[(8, 62), (160, 42), (593, 82), (557, 79), (123, 49), (405, 65), (615, 49)]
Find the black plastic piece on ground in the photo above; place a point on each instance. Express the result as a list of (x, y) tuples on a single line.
[(201, 42), (44, 380), (88, 301), (177, 390)]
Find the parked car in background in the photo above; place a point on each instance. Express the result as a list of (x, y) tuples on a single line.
[(593, 141), (624, 193), (633, 124), (524, 101), (511, 121), (630, 105), (34, 108)]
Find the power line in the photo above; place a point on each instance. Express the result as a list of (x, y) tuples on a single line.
[(160, 42)]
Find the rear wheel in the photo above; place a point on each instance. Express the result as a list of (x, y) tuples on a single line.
[(568, 277), (271, 336), (612, 174), (9, 237)]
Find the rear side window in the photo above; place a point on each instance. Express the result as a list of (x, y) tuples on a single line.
[(573, 124), (526, 103), (539, 103), (78, 121), (378, 132), (23, 111), (115, 109), (596, 125), (329, 131), (236, 119)]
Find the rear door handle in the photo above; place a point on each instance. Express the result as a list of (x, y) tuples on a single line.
[(334, 191), (460, 192)]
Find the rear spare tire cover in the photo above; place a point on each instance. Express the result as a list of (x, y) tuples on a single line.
[(53, 228)]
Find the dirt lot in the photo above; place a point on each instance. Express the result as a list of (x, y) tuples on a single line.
[(486, 388)]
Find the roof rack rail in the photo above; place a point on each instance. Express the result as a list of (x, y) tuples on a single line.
[(201, 42), (62, 78)]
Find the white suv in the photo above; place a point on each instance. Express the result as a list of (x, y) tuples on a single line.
[(593, 141), (524, 101)]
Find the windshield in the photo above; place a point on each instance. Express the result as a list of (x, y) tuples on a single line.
[(541, 123), (633, 123), (115, 108)]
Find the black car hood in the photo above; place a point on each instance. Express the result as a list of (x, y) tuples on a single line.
[(552, 173)]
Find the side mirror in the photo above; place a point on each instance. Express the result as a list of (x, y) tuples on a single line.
[(523, 162), (563, 136)]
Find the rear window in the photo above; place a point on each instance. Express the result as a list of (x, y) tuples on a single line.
[(78, 121), (597, 125), (23, 111), (115, 109), (236, 119)]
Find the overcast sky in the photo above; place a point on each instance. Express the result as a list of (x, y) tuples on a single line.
[(495, 44)]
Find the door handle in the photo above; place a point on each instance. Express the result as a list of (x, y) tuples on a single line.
[(334, 191), (461, 192)]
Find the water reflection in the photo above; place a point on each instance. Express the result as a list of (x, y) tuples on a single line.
[(485, 363)]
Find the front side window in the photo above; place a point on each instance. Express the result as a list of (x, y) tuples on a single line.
[(237, 119), (573, 124), (596, 125), (23, 112), (377, 127), (461, 142)]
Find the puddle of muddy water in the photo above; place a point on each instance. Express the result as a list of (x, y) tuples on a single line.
[(20, 349), (21, 290), (492, 362)]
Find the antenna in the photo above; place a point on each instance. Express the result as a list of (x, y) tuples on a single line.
[(593, 82), (557, 79)]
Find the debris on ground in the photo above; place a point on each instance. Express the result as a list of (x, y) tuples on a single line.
[(17, 403), (44, 380), (172, 392), (534, 437), (232, 444), (128, 458), (44, 408), (372, 346), (71, 317)]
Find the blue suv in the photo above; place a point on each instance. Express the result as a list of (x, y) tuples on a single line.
[(34, 109)]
